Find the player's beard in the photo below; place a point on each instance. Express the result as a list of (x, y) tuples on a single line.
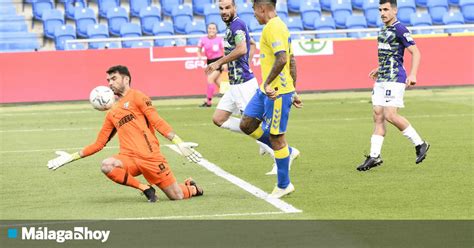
[(230, 18)]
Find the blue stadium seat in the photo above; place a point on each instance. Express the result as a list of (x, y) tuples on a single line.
[(282, 10), (357, 4), (15, 45), (74, 46), (245, 12), (148, 17), (182, 15), (198, 6), (7, 10), (371, 12), (141, 44), (84, 17), (195, 27), (421, 20), (168, 5), (310, 11), (255, 27), (130, 30), (325, 5), (105, 5), (63, 33), (71, 5), (467, 10), (453, 2), (51, 19), (326, 23), (437, 9), (294, 5), (341, 9), (405, 9), (380, 23), (212, 15), (421, 3), (295, 24), (116, 17), (137, 5), (98, 31), (356, 22), (164, 28), (39, 6), (453, 18), (13, 26)]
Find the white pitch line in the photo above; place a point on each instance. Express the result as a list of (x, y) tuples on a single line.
[(283, 206), (143, 218), (201, 216)]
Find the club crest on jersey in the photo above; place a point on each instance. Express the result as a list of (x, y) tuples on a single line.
[(125, 105)]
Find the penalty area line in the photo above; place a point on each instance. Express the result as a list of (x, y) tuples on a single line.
[(257, 192)]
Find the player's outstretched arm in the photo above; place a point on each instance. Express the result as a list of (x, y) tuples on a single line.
[(63, 159), (186, 149)]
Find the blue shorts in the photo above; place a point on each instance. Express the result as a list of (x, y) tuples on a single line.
[(273, 113)]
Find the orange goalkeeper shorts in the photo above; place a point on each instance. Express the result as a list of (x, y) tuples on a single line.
[(155, 172)]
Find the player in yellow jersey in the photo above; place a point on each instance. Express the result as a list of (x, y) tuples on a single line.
[(266, 115)]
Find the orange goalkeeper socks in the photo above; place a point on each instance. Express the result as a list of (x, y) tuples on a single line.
[(119, 175)]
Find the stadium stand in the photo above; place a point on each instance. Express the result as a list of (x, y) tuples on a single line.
[(63, 33), (421, 20), (51, 19), (137, 5), (84, 17), (164, 28), (71, 6), (128, 30), (405, 9), (148, 17), (327, 23), (467, 10), (341, 9), (98, 31), (310, 11), (182, 15), (116, 17), (356, 22), (437, 9), (149, 14), (195, 27), (199, 5), (105, 5)]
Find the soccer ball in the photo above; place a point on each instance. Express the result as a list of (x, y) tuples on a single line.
[(102, 98)]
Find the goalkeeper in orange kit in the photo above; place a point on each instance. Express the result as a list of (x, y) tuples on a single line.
[(134, 120)]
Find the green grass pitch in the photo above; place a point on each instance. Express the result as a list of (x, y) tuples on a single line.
[(332, 132)]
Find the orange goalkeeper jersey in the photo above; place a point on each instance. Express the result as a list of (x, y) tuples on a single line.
[(134, 119)]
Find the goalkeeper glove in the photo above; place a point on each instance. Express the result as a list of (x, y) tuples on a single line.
[(63, 159), (187, 150)]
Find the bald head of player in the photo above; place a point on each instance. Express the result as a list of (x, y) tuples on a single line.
[(264, 10), (388, 11), (228, 10)]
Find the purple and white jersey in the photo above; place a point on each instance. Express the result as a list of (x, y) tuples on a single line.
[(239, 70), (392, 41)]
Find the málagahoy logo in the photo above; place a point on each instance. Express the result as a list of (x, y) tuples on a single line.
[(60, 236)]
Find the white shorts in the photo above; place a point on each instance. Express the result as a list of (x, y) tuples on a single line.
[(388, 94), (238, 96)]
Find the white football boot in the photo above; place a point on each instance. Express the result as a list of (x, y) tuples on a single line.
[(278, 193)]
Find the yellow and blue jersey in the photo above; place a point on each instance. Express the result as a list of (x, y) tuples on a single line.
[(275, 39)]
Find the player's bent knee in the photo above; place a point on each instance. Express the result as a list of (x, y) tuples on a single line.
[(247, 125), (217, 121), (109, 164)]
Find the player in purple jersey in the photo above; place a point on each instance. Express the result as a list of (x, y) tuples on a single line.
[(390, 83), (238, 50)]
